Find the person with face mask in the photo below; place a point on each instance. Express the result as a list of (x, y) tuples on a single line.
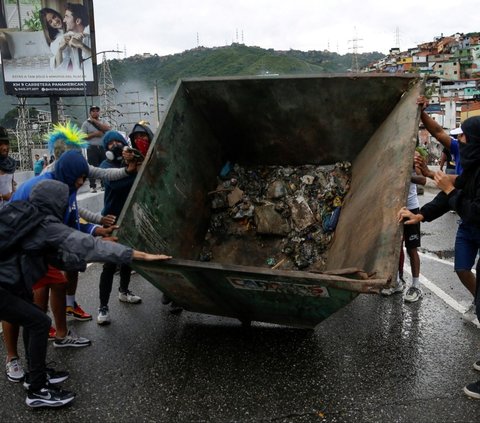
[(141, 137), (116, 193), (462, 194)]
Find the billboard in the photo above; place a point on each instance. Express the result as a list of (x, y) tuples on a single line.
[(48, 48)]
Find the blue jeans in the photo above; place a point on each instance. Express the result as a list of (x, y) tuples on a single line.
[(36, 324), (467, 244)]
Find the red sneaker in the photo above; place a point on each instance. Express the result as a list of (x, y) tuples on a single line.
[(52, 333), (78, 313)]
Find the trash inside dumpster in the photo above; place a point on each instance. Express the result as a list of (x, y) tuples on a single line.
[(276, 196)]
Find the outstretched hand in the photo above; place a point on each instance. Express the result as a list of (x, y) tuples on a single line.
[(140, 255), (99, 231), (422, 101), (408, 218), (108, 220)]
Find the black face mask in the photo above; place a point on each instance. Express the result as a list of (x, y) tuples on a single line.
[(115, 154)]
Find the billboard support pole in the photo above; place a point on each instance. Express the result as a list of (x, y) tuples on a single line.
[(54, 108)]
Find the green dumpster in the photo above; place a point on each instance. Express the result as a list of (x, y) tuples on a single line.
[(371, 121)]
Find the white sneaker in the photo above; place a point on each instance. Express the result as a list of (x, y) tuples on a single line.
[(14, 370), (103, 318), (413, 295), (71, 341), (399, 287), (470, 315), (129, 297)]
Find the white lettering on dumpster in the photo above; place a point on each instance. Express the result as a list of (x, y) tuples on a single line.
[(279, 287)]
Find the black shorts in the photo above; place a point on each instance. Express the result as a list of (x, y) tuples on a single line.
[(411, 233)]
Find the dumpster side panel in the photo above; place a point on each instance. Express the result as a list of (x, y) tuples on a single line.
[(168, 208), (367, 235), (283, 121), (295, 121), (249, 296)]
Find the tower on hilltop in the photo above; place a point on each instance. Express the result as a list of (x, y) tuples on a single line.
[(107, 93), (355, 67)]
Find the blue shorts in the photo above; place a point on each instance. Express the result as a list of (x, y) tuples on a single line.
[(467, 244)]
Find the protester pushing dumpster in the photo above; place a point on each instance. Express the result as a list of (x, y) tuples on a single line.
[(234, 188)]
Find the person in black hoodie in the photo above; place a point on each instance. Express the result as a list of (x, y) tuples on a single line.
[(51, 242), (116, 193), (461, 194)]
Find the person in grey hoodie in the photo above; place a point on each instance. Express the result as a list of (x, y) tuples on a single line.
[(51, 242)]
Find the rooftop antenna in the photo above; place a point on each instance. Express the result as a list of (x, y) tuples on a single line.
[(198, 40), (236, 35), (242, 37), (354, 48)]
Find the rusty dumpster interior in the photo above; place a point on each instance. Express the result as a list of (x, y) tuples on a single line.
[(371, 121)]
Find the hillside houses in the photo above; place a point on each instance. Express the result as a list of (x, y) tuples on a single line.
[(453, 66), (454, 57)]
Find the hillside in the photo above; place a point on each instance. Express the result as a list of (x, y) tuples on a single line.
[(140, 72), (233, 60)]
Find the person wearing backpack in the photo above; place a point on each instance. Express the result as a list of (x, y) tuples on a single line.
[(40, 239), (71, 168)]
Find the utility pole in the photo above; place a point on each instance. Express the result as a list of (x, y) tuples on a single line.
[(107, 93)]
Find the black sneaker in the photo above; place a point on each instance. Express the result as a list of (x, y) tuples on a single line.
[(476, 365), (473, 390), (49, 397), (53, 377)]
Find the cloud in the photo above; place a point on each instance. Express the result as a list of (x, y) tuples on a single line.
[(168, 27)]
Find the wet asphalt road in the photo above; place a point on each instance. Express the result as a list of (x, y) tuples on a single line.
[(376, 360)]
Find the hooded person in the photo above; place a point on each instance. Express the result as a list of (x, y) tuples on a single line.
[(141, 137), (72, 169), (50, 241), (66, 137), (463, 196), (7, 168), (116, 193)]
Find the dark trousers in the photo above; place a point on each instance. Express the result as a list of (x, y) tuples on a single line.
[(36, 324), (95, 156), (106, 280)]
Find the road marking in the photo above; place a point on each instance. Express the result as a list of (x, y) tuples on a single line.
[(435, 258), (440, 293)]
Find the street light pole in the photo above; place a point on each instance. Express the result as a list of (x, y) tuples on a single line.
[(83, 75)]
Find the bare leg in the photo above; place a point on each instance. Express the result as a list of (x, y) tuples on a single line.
[(414, 261), (57, 304), (40, 298), (468, 280), (72, 282)]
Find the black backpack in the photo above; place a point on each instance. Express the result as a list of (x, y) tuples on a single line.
[(17, 220)]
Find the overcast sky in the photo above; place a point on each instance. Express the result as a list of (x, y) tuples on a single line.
[(171, 26)]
